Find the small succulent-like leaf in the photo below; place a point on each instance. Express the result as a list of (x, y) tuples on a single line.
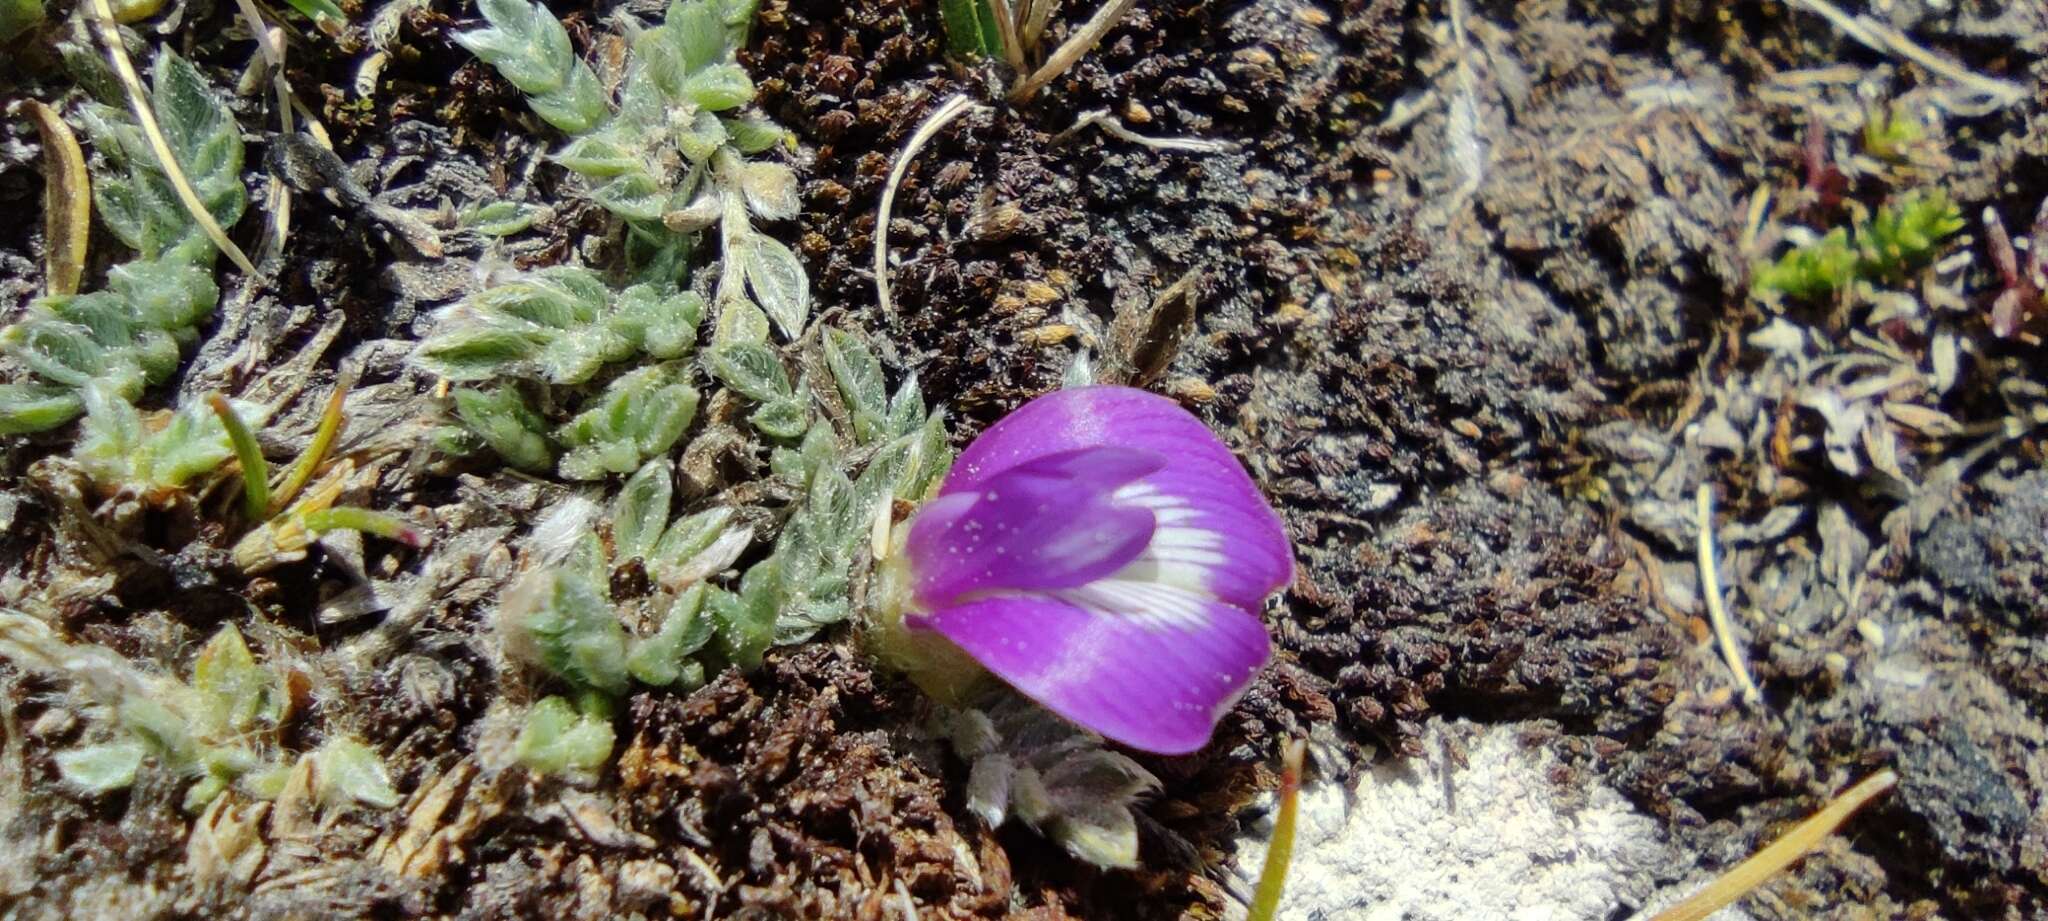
[(906, 408), (479, 351), (556, 739), (96, 769), (233, 689), (576, 106), (600, 156), (750, 368), (859, 377), (745, 621), (576, 356), (579, 638), (783, 418), (640, 512), (34, 408), (751, 135), (525, 42), (777, 279), (701, 138), (634, 196), (194, 443), (501, 218), (688, 537), (719, 87), (659, 660), (347, 770), (640, 415), (739, 321), (503, 420), (663, 327), (770, 189), (204, 791)]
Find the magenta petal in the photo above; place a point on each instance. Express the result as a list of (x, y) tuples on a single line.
[(1048, 523), (1212, 519), (1155, 674)]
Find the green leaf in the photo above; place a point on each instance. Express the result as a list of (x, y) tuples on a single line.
[(750, 368), (697, 34), (701, 138), (579, 637), (525, 42), (165, 294), (600, 156), (96, 769), (194, 443), (687, 538), (859, 377), (753, 134), (576, 356), (577, 106), (783, 418), (18, 16), (663, 327), (318, 9), (634, 196), (719, 87), (501, 218), (204, 791), (640, 512), (739, 321), (971, 30), (659, 660), (640, 415), (35, 408), (233, 689), (556, 738), (770, 189), (480, 351), (777, 279), (347, 770), (906, 408), (746, 621), (501, 418)]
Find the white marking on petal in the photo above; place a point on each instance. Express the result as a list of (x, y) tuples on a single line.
[(1153, 604)]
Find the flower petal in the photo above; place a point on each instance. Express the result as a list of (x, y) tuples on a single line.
[(1149, 666), (1051, 522), (1215, 531)]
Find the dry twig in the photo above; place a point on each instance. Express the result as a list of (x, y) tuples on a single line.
[(955, 106)]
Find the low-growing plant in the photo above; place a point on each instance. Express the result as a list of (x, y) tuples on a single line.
[(220, 727), (1883, 247), (129, 336), (565, 620), (668, 156), (1062, 780)]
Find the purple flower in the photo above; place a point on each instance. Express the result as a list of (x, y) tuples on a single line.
[(1101, 551)]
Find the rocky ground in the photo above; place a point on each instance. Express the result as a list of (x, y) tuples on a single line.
[(1467, 286)]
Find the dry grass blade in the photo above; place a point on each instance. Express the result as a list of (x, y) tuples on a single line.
[(1764, 864), (278, 195), (138, 103), (1006, 32), (1878, 36), (67, 202), (1710, 583), (955, 106), (1031, 20), (1070, 51)]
